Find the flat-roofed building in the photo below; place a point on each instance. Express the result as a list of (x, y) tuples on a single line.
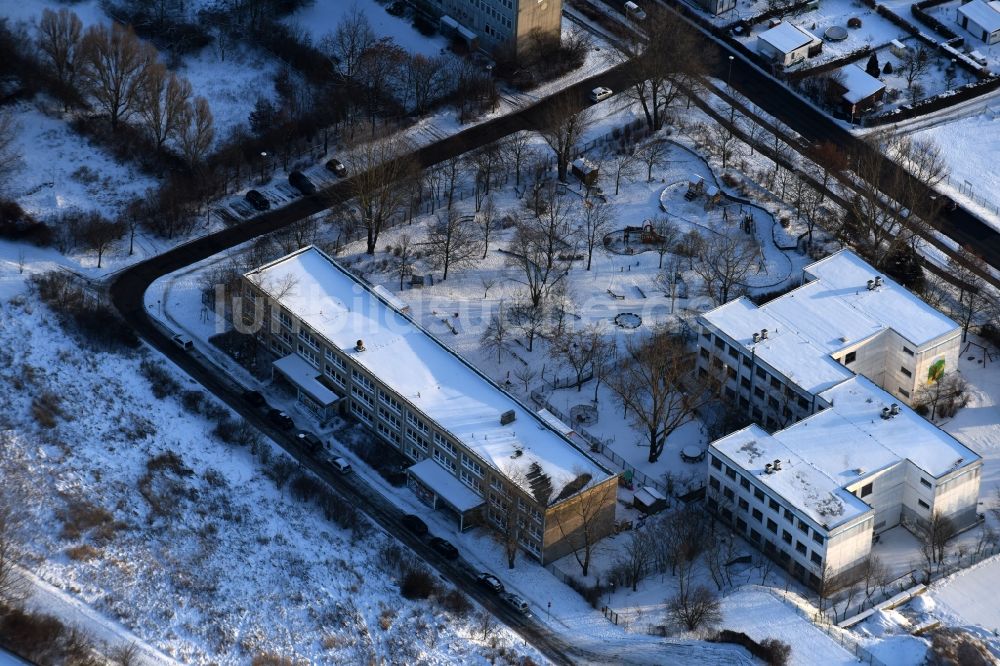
[(479, 452), (497, 24)]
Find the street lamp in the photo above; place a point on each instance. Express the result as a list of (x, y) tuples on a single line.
[(263, 158), (610, 592), (729, 77)]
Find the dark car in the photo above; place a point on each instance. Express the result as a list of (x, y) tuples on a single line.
[(254, 398), (490, 582), (445, 548), (396, 8), (257, 200), (299, 181), (337, 167), (280, 419), (309, 441), (414, 524)]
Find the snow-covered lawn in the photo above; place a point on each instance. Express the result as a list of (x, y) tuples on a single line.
[(962, 596)]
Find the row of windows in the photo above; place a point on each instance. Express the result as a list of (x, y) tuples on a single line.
[(756, 536)]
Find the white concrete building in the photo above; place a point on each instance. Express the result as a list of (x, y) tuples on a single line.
[(479, 453), (788, 44), (982, 19), (844, 320), (813, 495)]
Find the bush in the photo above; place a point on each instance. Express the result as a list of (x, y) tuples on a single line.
[(305, 486), (417, 584), (17, 225), (161, 382), (192, 401), (769, 650), (43, 639), (456, 603), (45, 408), (591, 593), (95, 322)]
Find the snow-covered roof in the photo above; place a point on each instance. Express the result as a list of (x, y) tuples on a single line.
[(786, 37), (814, 474), (424, 372), (445, 485), (304, 375), (984, 14), (800, 483), (831, 312), (859, 84)]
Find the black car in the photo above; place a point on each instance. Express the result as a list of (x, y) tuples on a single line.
[(298, 180), (490, 582), (257, 200), (309, 441), (337, 167), (280, 419), (414, 524), (445, 548), (254, 398)]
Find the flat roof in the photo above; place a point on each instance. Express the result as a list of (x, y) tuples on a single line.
[(436, 381), (800, 483), (304, 375), (787, 37), (445, 485), (831, 312), (859, 84), (984, 14)]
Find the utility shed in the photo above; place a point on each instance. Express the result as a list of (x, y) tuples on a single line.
[(855, 89), (788, 44)]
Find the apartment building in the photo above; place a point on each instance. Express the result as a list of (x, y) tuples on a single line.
[(478, 453), (497, 24), (829, 370), (846, 319), (813, 496)]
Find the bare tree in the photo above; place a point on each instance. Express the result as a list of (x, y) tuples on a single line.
[(485, 162), (126, 654), (667, 234), (487, 223), (196, 132), (724, 263), (974, 297), (623, 165), (351, 38), (529, 319), (114, 63), (517, 151), (582, 522), (452, 242), (943, 396), (10, 153), (694, 607), (935, 535), (379, 166), (59, 35), (533, 253), (163, 102), (12, 584), (496, 333), (875, 573), (648, 384), (597, 220), (562, 126), (722, 142), (403, 259), (652, 154), (424, 78), (914, 64), (99, 234), (525, 373), (577, 348), (637, 556), (488, 282)]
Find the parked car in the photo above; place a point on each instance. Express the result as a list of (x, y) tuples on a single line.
[(600, 94), (337, 167), (183, 341), (445, 548), (280, 419), (414, 524), (309, 441), (299, 181), (257, 200), (340, 464), (254, 398), (517, 602), (396, 8), (490, 582), (633, 11)]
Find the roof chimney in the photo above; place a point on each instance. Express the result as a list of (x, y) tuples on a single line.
[(894, 409), (763, 334), (756, 337), (886, 414), (360, 346), (871, 285), (767, 468), (878, 280), (777, 465)]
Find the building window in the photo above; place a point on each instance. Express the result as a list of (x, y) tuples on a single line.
[(362, 396), (803, 527), (773, 505), (907, 351), (720, 343), (866, 489), (772, 526), (761, 373), (924, 482), (731, 473), (445, 461), (733, 352), (390, 401), (362, 380), (716, 463), (412, 435), (788, 516), (755, 535), (849, 357), (757, 414), (731, 372), (775, 383), (472, 465), (714, 483), (758, 494), (336, 360), (745, 483), (758, 516), (759, 393), (772, 402), (730, 393), (309, 355), (707, 334), (803, 403), (742, 524), (786, 537), (470, 480), (905, 371), (744, 505), (306, 337), (703, 353), (728, 492), (816, 559), (745, 382), (444, 444), (903, 392), (817, 538), (923, 504), (800, 547)]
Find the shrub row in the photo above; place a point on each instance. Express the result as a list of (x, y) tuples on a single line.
[(769, 650)]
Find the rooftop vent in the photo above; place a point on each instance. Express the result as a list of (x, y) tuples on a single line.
[(768, 468), (777, 465), (894, 409), (517, 453), (507, 417), (859, 471), (886, 413), (756, 337), (871, 285), (878, 280), (763, 334), (360, 346)]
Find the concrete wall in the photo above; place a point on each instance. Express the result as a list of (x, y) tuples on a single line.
[(847, 547), (542, 15), (887, 497), (589, 515)]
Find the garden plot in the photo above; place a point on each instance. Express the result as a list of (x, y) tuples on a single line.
[(948, 14)]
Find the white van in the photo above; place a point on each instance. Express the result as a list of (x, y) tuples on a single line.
[(599, 94), (340, 464), (633, 11), (183, 341)]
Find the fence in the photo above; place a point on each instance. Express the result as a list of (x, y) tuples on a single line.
[(965, 189)]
